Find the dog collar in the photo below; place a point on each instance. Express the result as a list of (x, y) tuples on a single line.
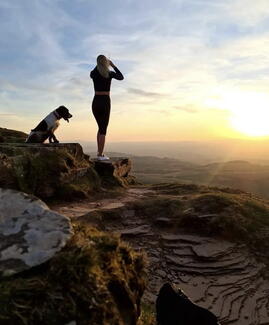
[(56, 115)]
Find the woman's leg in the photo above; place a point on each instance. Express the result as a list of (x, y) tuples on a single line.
[(101, 139), (101, 111)]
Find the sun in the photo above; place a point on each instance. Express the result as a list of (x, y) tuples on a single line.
[(249, 112), (251, 125)]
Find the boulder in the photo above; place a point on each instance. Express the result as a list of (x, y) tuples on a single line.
[(30, 233), (115, 171), (48, 170), (59, 171)]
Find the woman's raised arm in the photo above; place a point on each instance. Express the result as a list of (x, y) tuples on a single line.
[(117, 74)]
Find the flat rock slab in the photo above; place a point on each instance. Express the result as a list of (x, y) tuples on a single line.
[(14, 149), (30, 233), (140, 230), (213, 249), (183, 238)]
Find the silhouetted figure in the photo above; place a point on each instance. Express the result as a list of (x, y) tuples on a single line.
[(175, 308), (102, 76), (46, 128)]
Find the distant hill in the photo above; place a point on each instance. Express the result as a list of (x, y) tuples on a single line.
[(239, 174), (201, 152), (12, 136)]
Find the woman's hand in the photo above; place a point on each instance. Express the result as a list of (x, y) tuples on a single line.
[(112, 64)]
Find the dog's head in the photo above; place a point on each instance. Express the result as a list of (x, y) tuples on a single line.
[(64, 113)]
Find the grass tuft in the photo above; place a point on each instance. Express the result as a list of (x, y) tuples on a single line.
[(76, 285)]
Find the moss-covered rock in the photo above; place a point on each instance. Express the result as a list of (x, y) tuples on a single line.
[(48, 171), (96, 279), (59, 171)]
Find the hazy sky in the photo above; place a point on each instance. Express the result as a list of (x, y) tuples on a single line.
[(194, 69)]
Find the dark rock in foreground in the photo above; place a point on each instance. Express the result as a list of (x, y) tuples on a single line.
[(174, 307)]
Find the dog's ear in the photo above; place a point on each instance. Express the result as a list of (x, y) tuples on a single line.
[(63, 107), (61, 110)]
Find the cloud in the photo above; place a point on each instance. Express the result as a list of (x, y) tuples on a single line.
[(246, 12), (186, 109), (143, 93), (176, 55)]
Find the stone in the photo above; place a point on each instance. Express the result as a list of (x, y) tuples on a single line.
[(182, 238), (59, 170), (163, 221), (95, 279), (48, 170), (115, 171), (213, 249), (30, 233), (140, 230), (161, 273), (114, 166), (208, 216)]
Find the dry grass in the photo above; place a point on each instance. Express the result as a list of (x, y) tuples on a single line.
[(95, 279)]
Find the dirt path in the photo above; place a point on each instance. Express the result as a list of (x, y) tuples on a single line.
[(217, 274), (80, 208)]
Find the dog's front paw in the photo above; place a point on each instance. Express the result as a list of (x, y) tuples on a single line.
[(56, 141)]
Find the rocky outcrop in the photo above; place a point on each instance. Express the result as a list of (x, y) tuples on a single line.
[(47, 170), (58, 171), (95, 279), (115, 171), (210, 242), (12, 136), (30, 233)]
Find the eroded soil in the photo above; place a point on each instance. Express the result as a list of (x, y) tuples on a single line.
[(219, 274)]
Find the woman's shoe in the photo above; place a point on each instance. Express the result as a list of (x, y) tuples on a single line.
[(102, 158)]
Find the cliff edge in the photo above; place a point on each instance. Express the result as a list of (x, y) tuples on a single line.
[(59, 171)]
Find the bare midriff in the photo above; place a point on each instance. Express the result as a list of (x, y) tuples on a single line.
[(102, 93)]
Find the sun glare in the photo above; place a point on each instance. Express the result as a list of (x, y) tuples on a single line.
[(249, 112)]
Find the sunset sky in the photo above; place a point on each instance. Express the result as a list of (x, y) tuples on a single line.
[(194, 69)]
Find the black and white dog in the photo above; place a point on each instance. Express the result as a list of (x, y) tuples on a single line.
[(46, 128)]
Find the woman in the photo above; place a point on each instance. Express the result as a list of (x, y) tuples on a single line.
[(102, 76)]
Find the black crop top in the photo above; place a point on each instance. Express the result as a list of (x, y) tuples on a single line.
[(101, 83)]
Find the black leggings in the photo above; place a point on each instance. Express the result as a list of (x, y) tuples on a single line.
[(101, 111)]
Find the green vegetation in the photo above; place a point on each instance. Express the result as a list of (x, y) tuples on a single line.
[(96, 279), (47, 172), (225, 213), (238, 217), (147, 315)]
